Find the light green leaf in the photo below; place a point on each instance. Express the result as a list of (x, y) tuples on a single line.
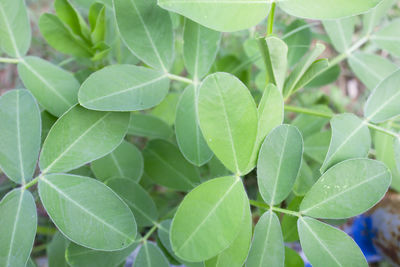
[(326, 9), (100, 26), (397, 153), (19, 135), (340, 32), (375, 15), (198, 230), (78, 256), (54, 88), (327, 246), (228, 120), (383, 103), (56, 251), (315, 71), (146, 30), (137, 88), (72, 203), (166, 110), (279, 163), (149, 126), (316, 146), (305, 180), (81, 136), (67, 14), (388, 38), (371, 69), (267, 248), (125, 161), (350, 139), (138, 200), (361, 182), (274, 52), (18, 220), (15, 29), (165, 165), (188, 134), (292, 258), (220, 15), (297, 36), (200, 47), (150, 256)]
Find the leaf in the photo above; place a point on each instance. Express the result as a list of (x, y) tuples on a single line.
[(48, 121), (56, 251), (220, 15), (198, 230), (200, 47), (147, 31), (15, 33), (54, 88), (99, 26), (327, 246), (350, 139), (166, 110), (371, 69), (139, 201), (298, 39), (150, 256), (126, 161), (305, 180), (18, 220), (78, 256), (267, 248), (316, 70), (72, 203), (375, 15), (289, 222), (325, 77), (309, 125), (292, 259), (81, 136), (165, 165), (279, 163), (316, 146), (188, 134), (67, 14), (397, 153), (340, 32), (137, 88), (274, 52), (149, 126), (332, 9), (361, 182), (228, 120), (382, 104), (387, 38), (20, 130)]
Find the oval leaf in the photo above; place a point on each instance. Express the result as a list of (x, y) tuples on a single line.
[(198, 230), (340, 32), (279, 163), (149, 126), (325, 245), (18, 220), (19, 135), (107, 225), (81, 136), (361, 182), (228, 120), (150, 256)]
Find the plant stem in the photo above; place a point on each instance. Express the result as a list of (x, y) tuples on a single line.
[(32, 183), (9, 60), (271, 19), (39, 248), (45, 230), (149, 233), (266, 206), (179, 78)]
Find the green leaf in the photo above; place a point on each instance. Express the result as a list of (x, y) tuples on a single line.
[(274, 52), (150, 256), (198, 230), (107, 225), (375, 15), (19, 135), (327, 246), (78, 256), (350, 139), (289, 222), (316, 146), (165, 165), (332, 9), (361, 182), (309, 125), (297, 36), (54, 88), (383, 103), (228, 120), (18, 220), (325, 77), (340, 32), (292, 258), (137, 88), (279, 163), (125, 161), (316, 69), (166, 110), (305, 180), (56, 251), (149, 126), (220, 15), (200, 47), (61, 38), (139, 201), (15, 34), (67, 14), (267, 248), (100, 26), (188, 134), (147, 31), (397, 153), (48, 121), (371, 69), (81, 136), (387, 38)]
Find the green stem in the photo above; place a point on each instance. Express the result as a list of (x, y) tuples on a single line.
[(31, 183), (9, 60), (266, 206), (149, 233), (179, 78), (271, 19), (45, 230), (39, 248)]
